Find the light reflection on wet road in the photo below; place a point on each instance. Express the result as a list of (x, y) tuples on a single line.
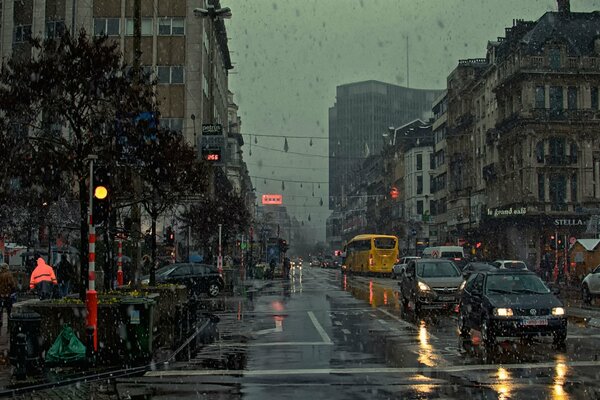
[(350, 337)]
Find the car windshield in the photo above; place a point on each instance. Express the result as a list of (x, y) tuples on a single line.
[(385, 243), (528, 284), (437, 270), (165, 270)]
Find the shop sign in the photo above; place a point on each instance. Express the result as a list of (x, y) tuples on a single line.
[(569, 222), (506, 212)]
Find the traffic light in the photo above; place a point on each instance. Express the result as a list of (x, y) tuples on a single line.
[(101, 195), (170, 238), (283, 245), (478, 245)]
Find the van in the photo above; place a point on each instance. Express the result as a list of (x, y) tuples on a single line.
[(453, 253)]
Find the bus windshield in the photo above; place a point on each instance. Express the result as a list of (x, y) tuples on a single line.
[(385, 243)]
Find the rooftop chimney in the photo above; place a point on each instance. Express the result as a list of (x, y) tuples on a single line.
[(564, 6)]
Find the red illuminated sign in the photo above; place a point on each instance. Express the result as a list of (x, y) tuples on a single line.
[(213, 157), (272, 199)]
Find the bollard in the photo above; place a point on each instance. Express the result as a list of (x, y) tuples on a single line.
[(90, 348), (21, 364)]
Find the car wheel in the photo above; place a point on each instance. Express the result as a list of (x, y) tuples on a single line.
[(463, 329), (487, 336), (213, 290), (586, 295)]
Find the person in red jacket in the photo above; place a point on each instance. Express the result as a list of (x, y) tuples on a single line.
[(43, 279)]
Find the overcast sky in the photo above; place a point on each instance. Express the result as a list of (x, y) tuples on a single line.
[(289, 56)]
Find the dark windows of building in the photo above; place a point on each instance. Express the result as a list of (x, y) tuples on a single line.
[(556, 98), (574, 188), (419, 207), (539, 151), (419, 162), (558, 192), (557, 150), (22, 33), (419, 184), (594, 93), (170, 74), (171, 27), (541, 187), (572, 97), (55, 29), (147, 25), (431, 162), (573, 150), (554, 58), (107, 26), (540, 97)]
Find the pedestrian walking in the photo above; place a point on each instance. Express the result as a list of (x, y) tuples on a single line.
[(65, 275), (146, 264), (43, 280), (272, 269), (286, 267), (8, 288)]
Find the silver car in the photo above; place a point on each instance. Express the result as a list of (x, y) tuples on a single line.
[(398, 269), (431, 284), (590, 287)]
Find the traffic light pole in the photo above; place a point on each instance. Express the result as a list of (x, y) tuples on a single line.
[(91, 298), (220, 256)]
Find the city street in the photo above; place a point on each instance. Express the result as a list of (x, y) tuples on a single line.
[(348, 337)]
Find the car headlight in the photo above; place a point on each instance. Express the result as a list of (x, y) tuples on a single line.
[(423, 287), (558, 311), (462, 285), (503, 312)]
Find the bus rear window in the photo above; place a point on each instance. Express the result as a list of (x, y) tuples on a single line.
[(385, 243)]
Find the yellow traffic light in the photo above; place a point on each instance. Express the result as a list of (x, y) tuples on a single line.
[(100, 192)]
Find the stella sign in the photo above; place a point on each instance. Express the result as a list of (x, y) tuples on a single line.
[(569, 222)]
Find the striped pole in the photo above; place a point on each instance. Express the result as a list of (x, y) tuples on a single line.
[(92, 295), (120, 262)]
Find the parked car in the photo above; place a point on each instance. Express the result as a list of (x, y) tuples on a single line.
[(315, 262), (510, 303), (475, 266), (510, 264), (398, 269), (327, 262), (199, 278), (431, 284), (590, 287)]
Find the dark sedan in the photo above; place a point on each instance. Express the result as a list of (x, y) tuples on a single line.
[(199, 278), (474, 267), (509, 303)]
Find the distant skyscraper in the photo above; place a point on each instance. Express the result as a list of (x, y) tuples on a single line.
[(362, 112)]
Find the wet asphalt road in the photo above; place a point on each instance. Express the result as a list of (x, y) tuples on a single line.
[(326, 335)]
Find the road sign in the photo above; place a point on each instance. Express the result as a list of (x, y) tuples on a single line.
[(434, 254), (212, 129), (212, 149)]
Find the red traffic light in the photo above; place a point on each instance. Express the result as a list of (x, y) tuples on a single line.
[(478, 245)]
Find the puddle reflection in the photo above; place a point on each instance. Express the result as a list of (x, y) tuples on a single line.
[(560, 373), (427, 355), (376, 294), (504, 383)]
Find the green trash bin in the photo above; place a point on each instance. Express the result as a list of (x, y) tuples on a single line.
[(137, 316)]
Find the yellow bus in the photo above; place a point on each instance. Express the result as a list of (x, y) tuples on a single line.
[(371, 254)]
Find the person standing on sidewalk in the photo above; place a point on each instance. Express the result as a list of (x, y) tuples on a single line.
[(8, 287), (65, 275), (43, 280)]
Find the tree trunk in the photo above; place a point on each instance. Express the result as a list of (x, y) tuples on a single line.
[(154, 216), (83, 250)]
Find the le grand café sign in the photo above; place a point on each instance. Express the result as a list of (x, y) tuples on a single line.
[(522, 211)]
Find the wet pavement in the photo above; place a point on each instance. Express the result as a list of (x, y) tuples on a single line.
[(324, 334)]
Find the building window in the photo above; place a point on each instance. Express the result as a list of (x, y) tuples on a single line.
[(594, 98), (554, 58), (170, 74), (55, 29), (174, 124), (146, 27), (574, 188), (419, 162), (171, 27), (573, 150), (541, 187), (540, 97), (107, 26), (557, 147), (558, 192), (419, 207), (556, 98), (22, 33), (539, 151), (572, 98), (419, 184)]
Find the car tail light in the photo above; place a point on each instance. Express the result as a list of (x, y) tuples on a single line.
[(457, 259), (371, 260)]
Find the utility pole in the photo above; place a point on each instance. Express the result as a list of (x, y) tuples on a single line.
[(136, 223)]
